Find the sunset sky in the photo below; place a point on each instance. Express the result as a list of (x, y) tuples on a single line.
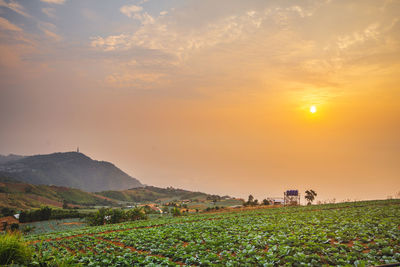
[(207, 95)]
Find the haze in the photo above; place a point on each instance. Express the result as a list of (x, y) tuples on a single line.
[(212, 96)]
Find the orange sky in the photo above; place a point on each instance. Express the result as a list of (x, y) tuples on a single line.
[(210, 96)]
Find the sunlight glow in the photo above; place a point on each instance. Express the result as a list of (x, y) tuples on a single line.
[(313, 109)]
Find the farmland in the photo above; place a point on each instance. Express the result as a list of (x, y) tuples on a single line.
[(361, 233)]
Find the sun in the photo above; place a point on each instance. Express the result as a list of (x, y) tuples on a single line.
[(313, 109)]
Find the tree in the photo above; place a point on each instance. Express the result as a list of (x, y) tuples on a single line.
[(136, 214), (176, 212), (7, 211), (65, 204), (165, 209), (265, 202), (310, 196), (251, 199)]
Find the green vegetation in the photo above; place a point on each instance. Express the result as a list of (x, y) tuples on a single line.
[(13, 250), (17, 195), (152, 194), (52, 226), (110, 216), (310, 196), (176, 212), (359, 233), (251, 201), (4, 212), (47, 213)]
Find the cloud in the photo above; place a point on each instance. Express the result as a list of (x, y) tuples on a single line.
[(125, 79), (144, 18), (49, 11), (16, 7), (6, 25), (156, 34), (134, 12), (130, 10), (110, 43), (58, 2), (173, 43), (49, 30), (369, 33), (289, 41)]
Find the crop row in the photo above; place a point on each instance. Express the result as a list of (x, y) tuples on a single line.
[(359, 235)]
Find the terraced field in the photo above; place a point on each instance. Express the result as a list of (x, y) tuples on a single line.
[(361, 234)]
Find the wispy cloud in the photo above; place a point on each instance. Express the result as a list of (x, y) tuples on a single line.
[(49, 11), (369, 33), (59, 2), (49, 30), (15, 6), (159, 35), (134, 12), (6, 25), (130, 10)]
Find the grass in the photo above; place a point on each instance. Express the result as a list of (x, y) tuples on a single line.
[(13, 249)]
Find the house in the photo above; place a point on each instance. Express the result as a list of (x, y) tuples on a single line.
[(157, 209), (6, 222), (277, 201)]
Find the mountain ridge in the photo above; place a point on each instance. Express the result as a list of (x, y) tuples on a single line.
[(70, 169)]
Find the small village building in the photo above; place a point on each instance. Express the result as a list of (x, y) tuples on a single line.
[(157, 209), (277, 201)]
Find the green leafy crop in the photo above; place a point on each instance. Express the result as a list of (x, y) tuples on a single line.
[(357, 234)]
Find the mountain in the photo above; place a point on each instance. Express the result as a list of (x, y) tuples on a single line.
[(19, 195), (11, 157), (154, 194), (70, 169)]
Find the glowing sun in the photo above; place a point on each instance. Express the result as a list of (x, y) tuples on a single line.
[(313, 109)]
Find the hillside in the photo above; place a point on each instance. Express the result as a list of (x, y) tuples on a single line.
[(14, 194), (20, 195), (71, 169), (153, 194)]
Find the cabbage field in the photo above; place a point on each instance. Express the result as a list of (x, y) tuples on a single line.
[(359, 233)]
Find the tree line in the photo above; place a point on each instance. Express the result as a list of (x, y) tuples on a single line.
[(309, 195)]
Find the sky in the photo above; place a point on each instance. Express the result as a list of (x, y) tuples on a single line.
[(211, 96)]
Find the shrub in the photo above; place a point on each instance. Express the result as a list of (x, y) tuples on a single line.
[(176, 212), (13, 250), (7, 212), (27, 229), (46, 213), (135, 214), (104, 215), (14, 226)]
